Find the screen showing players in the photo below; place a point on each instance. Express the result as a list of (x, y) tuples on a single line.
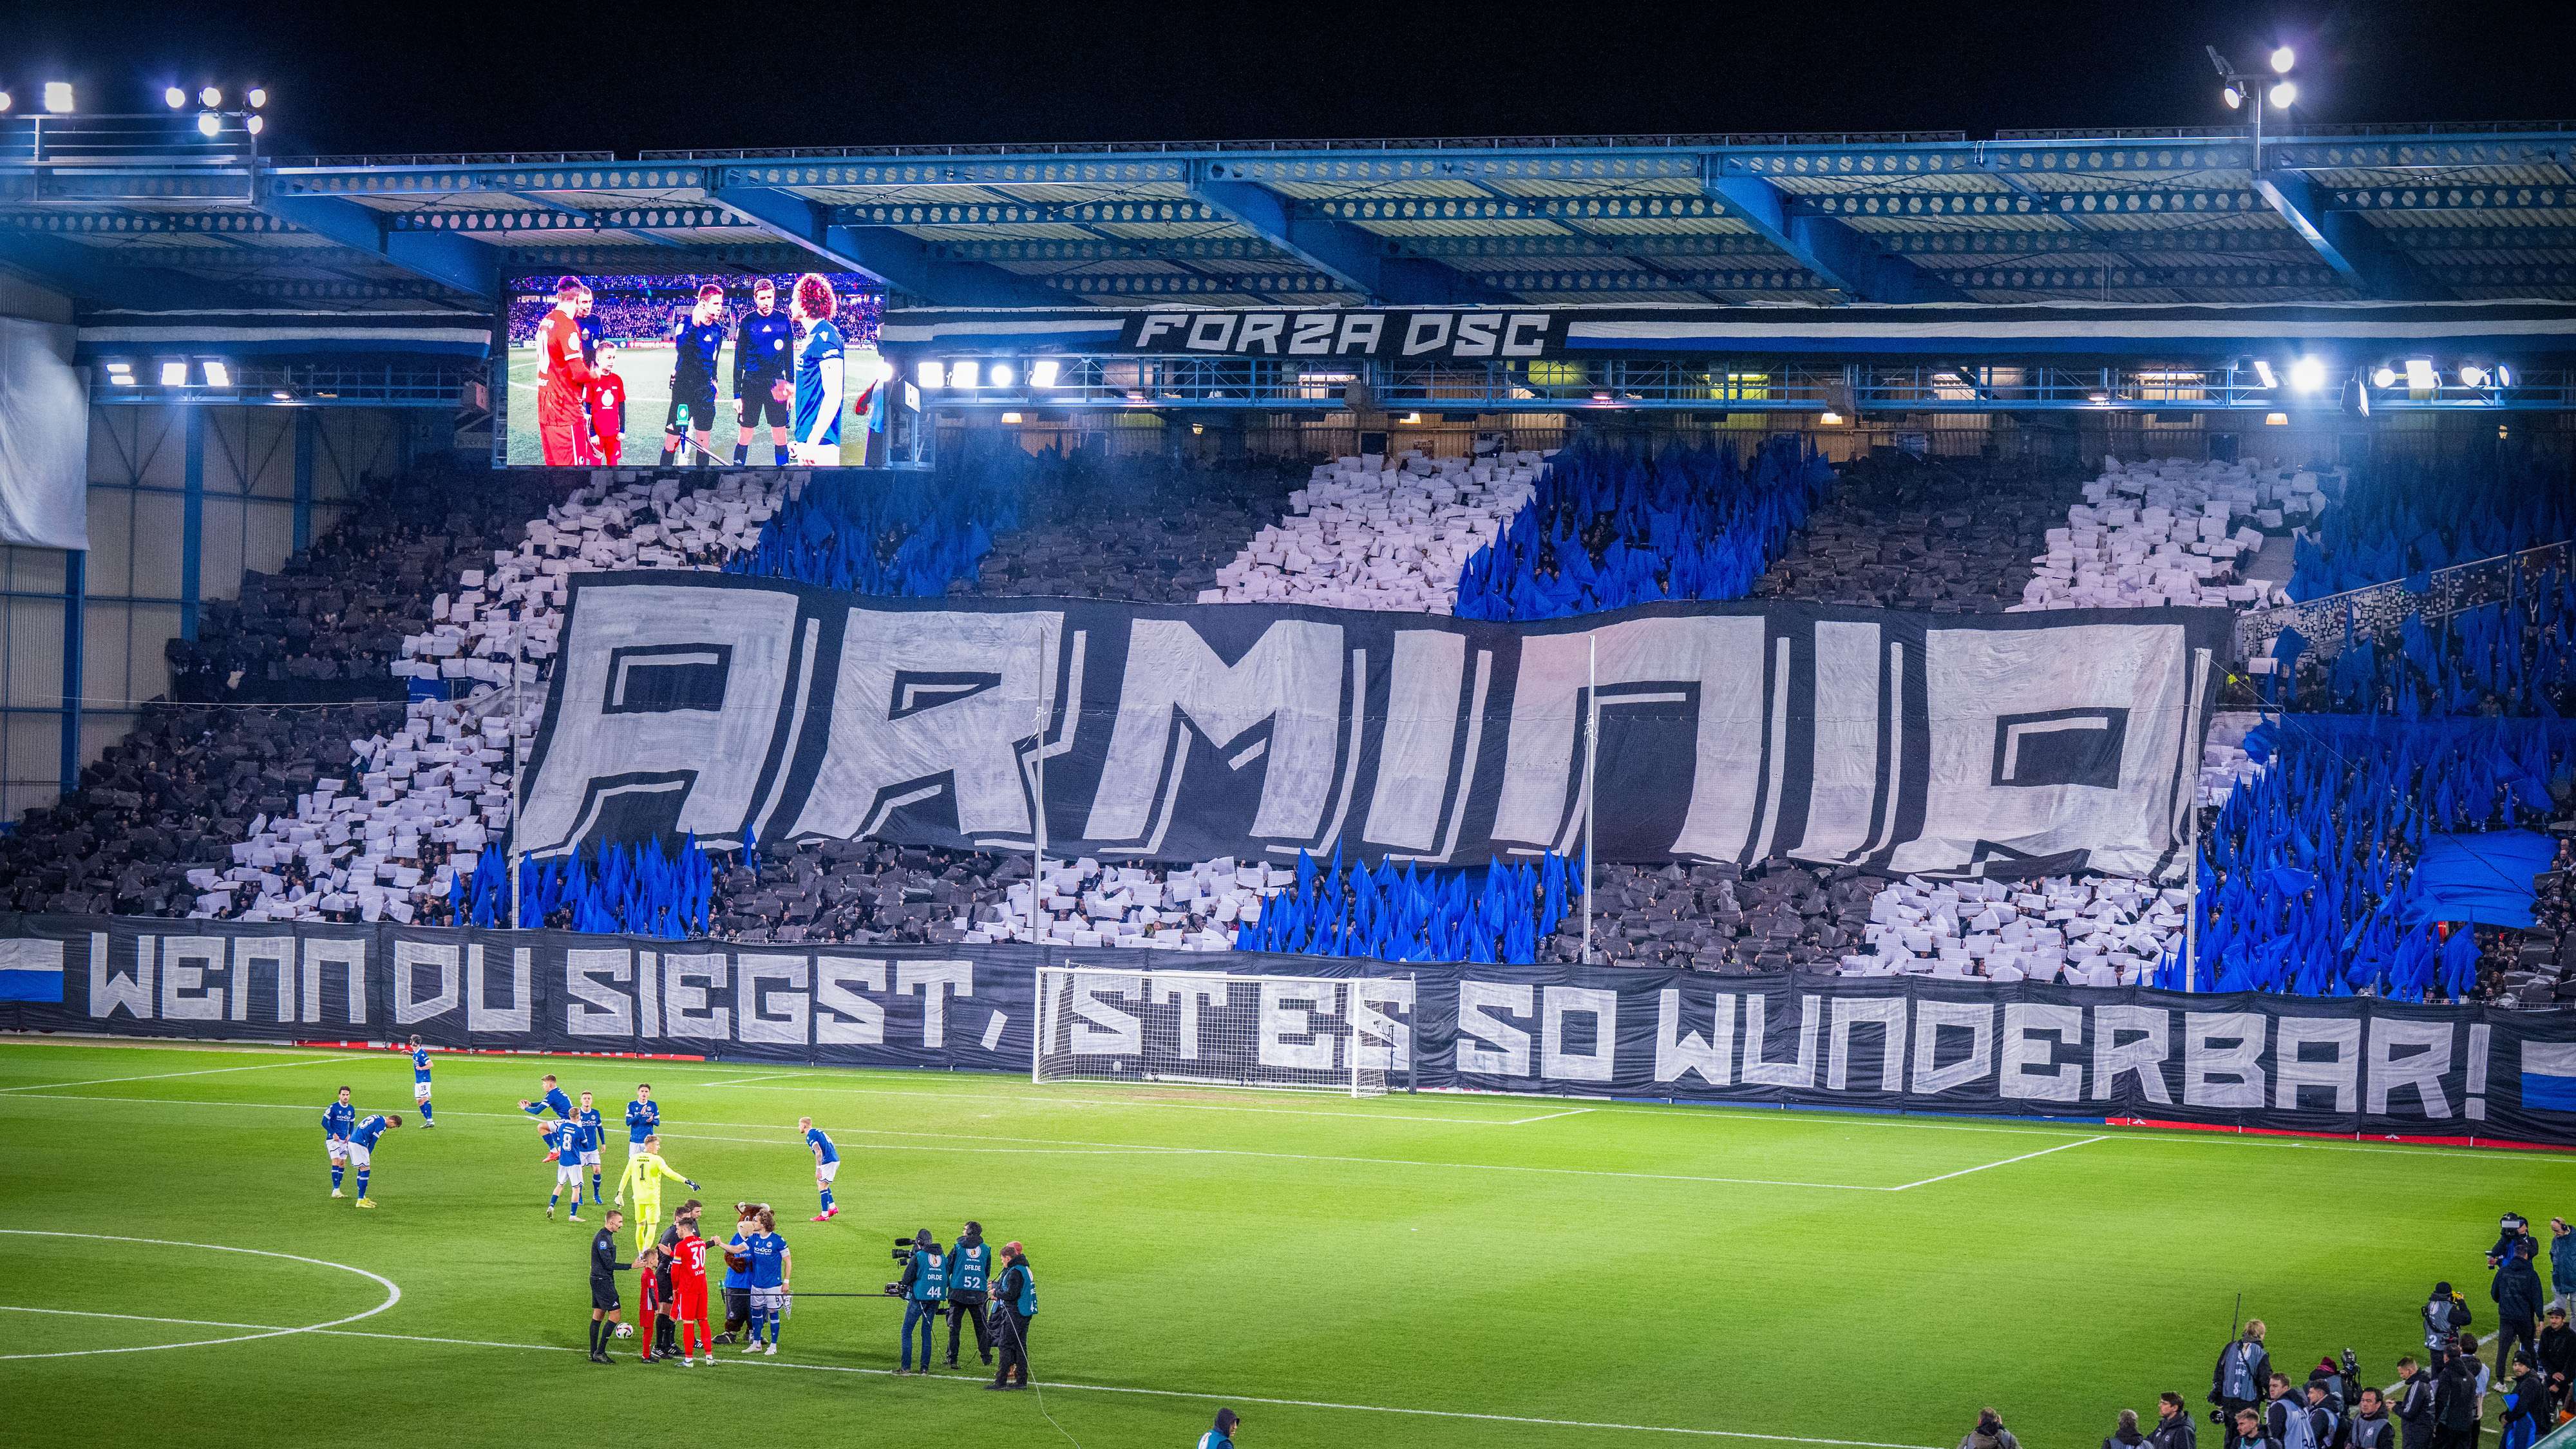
[(680, 371)]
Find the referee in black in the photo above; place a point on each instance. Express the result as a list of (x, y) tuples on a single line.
[(695, 341), (764, 353), (604, 1269)]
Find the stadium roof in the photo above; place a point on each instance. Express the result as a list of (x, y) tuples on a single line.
[(2386, 212)]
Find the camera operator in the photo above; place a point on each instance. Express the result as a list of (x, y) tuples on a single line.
[(2244, 1367), (2511, 1229), (1015, 1304), (925, 1293), (970, 1276), (2445, 1314), (2413, 1393)]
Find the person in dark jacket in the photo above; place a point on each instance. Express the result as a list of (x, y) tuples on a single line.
[(2174, 1428), (2246, 1428), (2518, 1299), (2512, 1229), (2238, 1381), (2557, 1356), (2369, 1427), (2562, 1264), (2125, 1435), (2413, 1395), (2295, 1418), (2526, 1405), (970, 1278), (1990, 1433), (2456, 1403), (1014, 1308)]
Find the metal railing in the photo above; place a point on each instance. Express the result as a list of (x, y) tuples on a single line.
[(1640, 141), (2380, 609), (149, 139), (292, 384)]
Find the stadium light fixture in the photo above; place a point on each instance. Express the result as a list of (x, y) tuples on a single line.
[(2282, 59), (211, 96), (2421, 376), (2307, 374), (258, 97), (2233, 95), (2504, 375), (2263, 370), (1042, 373), (1829, 418), (255, 124), (58, 97), (2284, 94), (2276, 420), (962, 373), (282, 395), (1000, 373), (2383, 376), (120, 373), (208, 123), (1011, 419), (2472, 375), (218, 373), (930, 375), (174, 373), (2237, 88), (174, 98), (5, 102)]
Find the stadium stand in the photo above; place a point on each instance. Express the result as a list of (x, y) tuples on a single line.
[(1948, 535)]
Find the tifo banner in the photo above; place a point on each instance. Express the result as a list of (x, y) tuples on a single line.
[(1902, 1044), (1998, 743)]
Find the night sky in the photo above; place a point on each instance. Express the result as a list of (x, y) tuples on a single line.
[(377, 77)]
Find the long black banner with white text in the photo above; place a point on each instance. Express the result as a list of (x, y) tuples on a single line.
[(2002, 743), (1896, 1045)]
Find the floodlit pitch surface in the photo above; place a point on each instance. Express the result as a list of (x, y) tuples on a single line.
[(1412, 1270), (647, 370)]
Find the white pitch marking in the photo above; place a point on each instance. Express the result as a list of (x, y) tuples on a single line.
[(2007, 1162), (393, 1294), (743, 1081), (206, 1072), (1079, 1388), (1547, 1116)]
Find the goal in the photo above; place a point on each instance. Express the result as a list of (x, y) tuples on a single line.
[(1213, 1029)]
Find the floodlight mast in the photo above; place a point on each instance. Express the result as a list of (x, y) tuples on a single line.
[(2240, 89)]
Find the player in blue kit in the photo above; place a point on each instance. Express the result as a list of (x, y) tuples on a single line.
[(554, 1099), (643, 1118), (695, 341), (420, 1082), (763, 356), (362, 1149), (771, 1267), (592, 1135), (563, 1148), (821, 361), (338, 1121), (827, 1165)]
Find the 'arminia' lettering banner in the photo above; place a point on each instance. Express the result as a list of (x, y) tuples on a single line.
[(1905, 1044), (1996, 743)]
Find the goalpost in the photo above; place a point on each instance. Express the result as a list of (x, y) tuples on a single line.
[(1213, 1029)]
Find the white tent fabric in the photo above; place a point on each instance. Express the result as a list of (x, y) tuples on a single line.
[(44, 438)]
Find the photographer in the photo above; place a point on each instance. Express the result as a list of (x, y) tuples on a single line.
[(2512, 1230), (925, 1292), (970, 1275), (1015, 1304), (2445, 1314), (2237, 1383)]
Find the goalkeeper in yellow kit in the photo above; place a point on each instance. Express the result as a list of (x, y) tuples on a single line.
[(644, 1173)]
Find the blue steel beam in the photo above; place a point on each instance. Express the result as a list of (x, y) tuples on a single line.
[(469, 266), (2366, 260), (902, 262), (1366, 263), (1845, 258), (76, 269)]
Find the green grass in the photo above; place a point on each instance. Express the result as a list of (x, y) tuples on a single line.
[(647, 371), (1731, 1273)]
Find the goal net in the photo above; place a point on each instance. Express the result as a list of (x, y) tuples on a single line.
[(1210, 1029)]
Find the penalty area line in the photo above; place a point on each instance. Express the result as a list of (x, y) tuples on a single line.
[(1066, 1386), (2007, 1162), (1547, 1117)]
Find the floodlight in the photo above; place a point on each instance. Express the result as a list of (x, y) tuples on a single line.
[(2420, 376), (174, 374), (2263, 370), (208, 123), (930, 374), (5, 102), (2276, 420), (58, 97), (282, 395), (1828, 417), (174, 97), (2282, 60), (2504, 375), (210, 96), (219, 373), (1010, 417), (2233, 95), (2308, 374), (1000, 373), (121, 373), (1042, 372), (962, 373), (258, 97), (2383, 376), (2472, 375), (256, 124), (2283, 94)]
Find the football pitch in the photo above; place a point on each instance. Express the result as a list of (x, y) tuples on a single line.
[(647, 370), (1433, 1270)]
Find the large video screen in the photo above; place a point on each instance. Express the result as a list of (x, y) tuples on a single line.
[(695, 370)]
